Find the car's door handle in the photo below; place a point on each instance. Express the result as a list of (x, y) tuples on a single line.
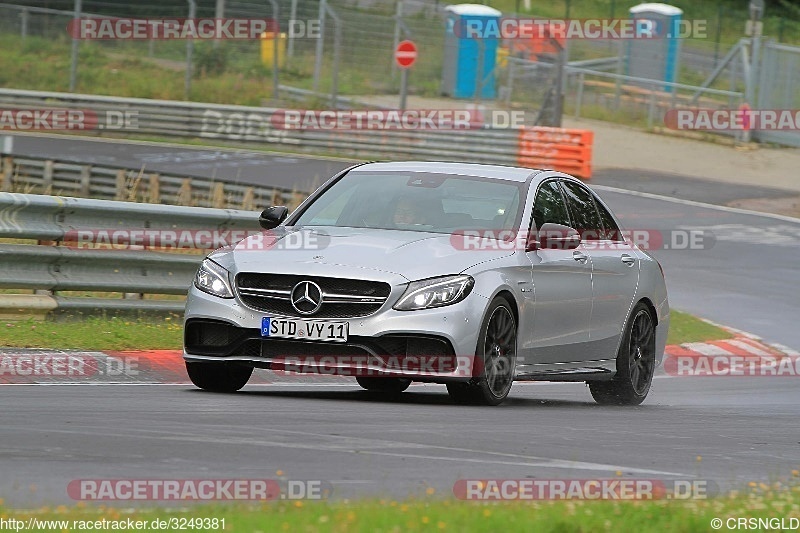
[(628, 260), (579, 256)]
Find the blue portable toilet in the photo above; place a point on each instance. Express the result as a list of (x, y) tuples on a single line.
[(470, 50), (656, 58)]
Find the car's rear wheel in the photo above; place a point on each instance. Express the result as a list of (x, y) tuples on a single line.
[(219, 377), (392, 385), (497, 355), (635, 363)]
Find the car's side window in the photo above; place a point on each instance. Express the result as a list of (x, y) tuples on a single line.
[(549, 205), (610, 229), (583, 211)]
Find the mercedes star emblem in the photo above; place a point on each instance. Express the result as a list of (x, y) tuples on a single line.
[(306, 297)]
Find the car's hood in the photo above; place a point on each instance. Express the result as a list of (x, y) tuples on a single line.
[(330, 251)]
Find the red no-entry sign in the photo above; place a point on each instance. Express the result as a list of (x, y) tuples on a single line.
[(405, 54)]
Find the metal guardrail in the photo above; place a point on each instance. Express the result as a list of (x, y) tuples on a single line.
[(53, 265), (243, 124), (88, 180)]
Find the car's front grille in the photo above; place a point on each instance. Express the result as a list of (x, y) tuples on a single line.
[(341, 298), (280, 348), (404, 352)]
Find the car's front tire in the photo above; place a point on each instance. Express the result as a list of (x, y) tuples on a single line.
[(218, 377), (635, 363), (496, 352), (388, 385)]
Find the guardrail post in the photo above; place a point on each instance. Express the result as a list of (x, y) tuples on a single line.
[(8, 172), (47, 177), (218, 195), (297, 199), (120, 189), (248, 199), (86, 180), (651, 109), (155, 189), (185, 192)]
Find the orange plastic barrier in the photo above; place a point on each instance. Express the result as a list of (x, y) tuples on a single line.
[(551, 42), (561, 149)]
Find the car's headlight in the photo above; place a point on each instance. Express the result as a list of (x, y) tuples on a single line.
[(435, 292), (213, 279)]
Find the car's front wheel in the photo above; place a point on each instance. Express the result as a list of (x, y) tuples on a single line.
[(389, 385), (635, 363), (496, 353), (219, 377)]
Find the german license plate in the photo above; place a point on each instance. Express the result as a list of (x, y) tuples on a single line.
[(313, 330)]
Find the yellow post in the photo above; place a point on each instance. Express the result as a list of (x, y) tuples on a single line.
[(267, 49)]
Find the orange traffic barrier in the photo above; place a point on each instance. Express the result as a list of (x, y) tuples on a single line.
[(561, 149), (550, 42)]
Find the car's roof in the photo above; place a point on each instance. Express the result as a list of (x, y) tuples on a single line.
[(462, 169)]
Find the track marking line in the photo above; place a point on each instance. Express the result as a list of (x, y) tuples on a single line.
[(704, 348), (554, 463), (694, 203), (747, 347)]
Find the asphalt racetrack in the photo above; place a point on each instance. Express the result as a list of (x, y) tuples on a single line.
[(728, 430)]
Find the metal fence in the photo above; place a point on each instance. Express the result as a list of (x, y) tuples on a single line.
[(128, 269), (780, 88), (367, 33), (353, 57), (243, 124), (46, 176), (639, 99)]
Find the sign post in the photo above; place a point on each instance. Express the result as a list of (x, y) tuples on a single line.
[(405, 55)]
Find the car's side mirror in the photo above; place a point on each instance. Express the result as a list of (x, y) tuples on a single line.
[(557, 237), (272, 217)]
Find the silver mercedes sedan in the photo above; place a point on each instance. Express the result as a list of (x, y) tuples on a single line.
[(474, 276)]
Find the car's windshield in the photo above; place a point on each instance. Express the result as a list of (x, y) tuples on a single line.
[(414, 201)]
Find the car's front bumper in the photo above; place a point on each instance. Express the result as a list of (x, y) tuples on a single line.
[(433, 344)]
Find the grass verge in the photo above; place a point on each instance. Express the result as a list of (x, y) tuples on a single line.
[(139, 334), (94, 334), (769, 503), (684, 327)]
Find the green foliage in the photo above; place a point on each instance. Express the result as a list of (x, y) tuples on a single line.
[(94, 334), (210, 60)]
